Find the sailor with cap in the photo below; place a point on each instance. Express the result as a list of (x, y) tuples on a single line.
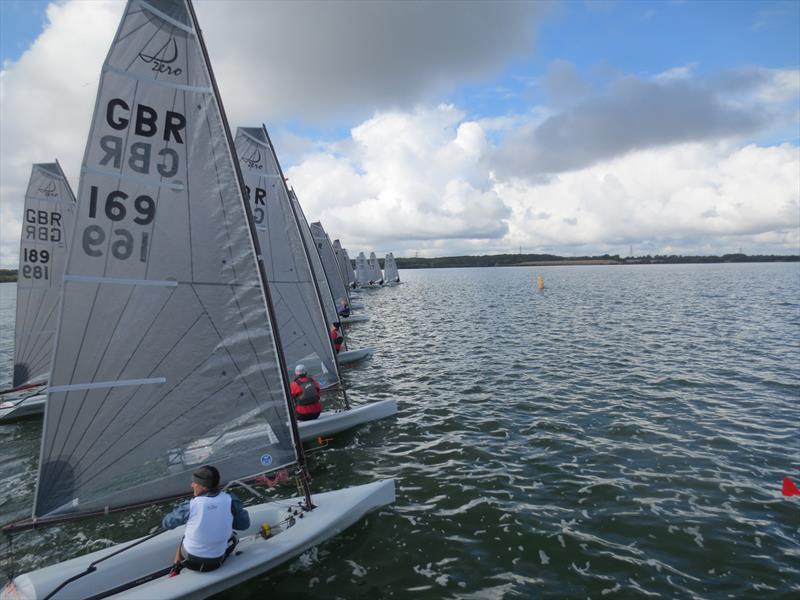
[(210, 517)]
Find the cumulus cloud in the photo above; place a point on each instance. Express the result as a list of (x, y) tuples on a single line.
[(418, 182), (317, 59), (307, 60), (635, 114), (406, 175)]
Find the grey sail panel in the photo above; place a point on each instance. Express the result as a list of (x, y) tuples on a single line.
[(375, 268), (348, 266), (164, 357), (46, 228), (340, 261), (329, 263), (302, 326), (363, 276), (390, 268), (328, 303)]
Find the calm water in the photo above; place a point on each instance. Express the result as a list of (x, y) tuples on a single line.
[(621, 434)]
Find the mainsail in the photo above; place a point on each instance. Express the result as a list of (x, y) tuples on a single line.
[(298, 310), (329, 263), (165, 336), (340, 261), (363, 276), (328, 302), (375, 268), (351, 276), (390, 269), (46, 230)]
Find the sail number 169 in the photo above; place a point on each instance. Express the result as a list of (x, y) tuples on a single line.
[(117, 208)]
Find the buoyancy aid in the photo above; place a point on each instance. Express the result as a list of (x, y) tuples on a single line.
[(309, 394), (337, 339), (209, 526)]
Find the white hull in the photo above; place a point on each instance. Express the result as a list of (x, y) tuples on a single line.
[(12, 410), (353, 319), (335, 512), (348, 357), (330, 422)]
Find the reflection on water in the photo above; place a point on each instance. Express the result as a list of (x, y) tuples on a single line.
[(622, 432)]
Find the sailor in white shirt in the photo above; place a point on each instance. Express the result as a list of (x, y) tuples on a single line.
[(210, 517)]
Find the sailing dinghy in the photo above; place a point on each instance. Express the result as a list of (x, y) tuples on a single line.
[(390, 270), (347, 356), (297, 300), (47, 226), (166, 330)]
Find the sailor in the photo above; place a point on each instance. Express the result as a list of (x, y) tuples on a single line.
[(305, 392), (210, 517), (336, 337), (344, 308)]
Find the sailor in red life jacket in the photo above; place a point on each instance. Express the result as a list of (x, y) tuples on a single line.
[(210, 517), (336, 337), (305, 392)]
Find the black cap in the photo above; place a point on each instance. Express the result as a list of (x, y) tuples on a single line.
[(207, 476)]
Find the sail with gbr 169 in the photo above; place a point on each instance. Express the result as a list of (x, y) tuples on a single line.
[(166, 331)]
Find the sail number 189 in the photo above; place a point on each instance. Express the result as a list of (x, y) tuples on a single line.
[(35, 264), (117, 208)]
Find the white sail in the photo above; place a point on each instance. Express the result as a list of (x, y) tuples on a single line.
[(301, 322), (363, 275), (390, 269), (329, 263), (344, 267), (348, 266), (375, 268), (165, 335), (46, 229), (328, 301)]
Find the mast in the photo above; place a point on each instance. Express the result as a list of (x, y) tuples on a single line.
[(301, 459)]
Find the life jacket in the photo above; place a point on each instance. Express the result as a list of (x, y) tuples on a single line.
[(336, 338), (209, 526), (309, 393)]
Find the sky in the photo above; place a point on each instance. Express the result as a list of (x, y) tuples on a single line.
[(447, 128)]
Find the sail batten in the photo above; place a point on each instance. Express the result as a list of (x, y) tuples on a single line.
[(166, 353)]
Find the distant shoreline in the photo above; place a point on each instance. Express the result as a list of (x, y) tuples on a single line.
[(549, 260)]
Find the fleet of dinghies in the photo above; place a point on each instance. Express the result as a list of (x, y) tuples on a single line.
[(167, 324)]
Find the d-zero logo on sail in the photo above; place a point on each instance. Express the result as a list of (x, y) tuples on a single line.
[(253, 160), (162, 59), (49, 190)]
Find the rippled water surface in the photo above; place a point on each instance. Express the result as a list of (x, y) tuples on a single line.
[(622, 433)]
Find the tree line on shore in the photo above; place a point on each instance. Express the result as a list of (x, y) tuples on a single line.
[(515, 260), (511, 260)]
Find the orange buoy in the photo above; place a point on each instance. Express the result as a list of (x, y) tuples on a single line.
[(539, 282)]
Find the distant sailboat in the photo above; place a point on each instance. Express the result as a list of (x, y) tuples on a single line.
[(47, 225), (301, 321), (48, 217), (345, 268), (375, 269), (390, 270), (166, 334), (349, 355), (331, 268), (303, 332)]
